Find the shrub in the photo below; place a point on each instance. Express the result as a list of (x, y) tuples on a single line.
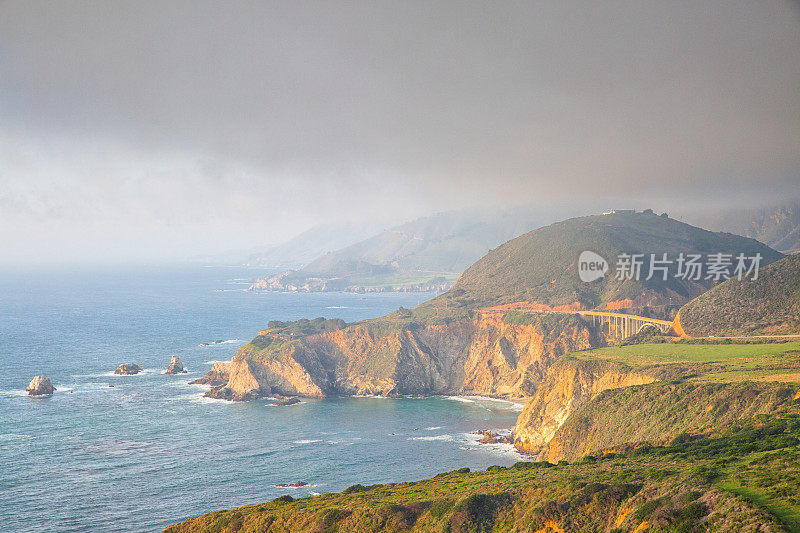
[(477, 512), (691, 496), (439, 508)]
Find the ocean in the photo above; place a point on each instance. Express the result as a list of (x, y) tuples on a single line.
[(137, 453)]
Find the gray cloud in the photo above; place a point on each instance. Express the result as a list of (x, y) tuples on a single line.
[(243, 116)]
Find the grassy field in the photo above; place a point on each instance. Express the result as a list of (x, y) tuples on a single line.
[(711, 362)]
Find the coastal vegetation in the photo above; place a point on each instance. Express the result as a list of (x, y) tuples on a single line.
[(651, 432), (768, 305), (706, 360), (727, 481)]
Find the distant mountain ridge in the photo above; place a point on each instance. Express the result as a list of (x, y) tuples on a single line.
[(776, 226), (444, 242), (541, 266), (425, 254), (308, 245)]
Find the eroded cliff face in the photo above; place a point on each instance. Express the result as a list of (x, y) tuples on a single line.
[(567, 386), (659, 412), (481, 355)]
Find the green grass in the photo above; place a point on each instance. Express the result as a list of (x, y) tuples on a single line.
[(781, 374), (687, 486), (709, 362), (638, 355), (789, 515)]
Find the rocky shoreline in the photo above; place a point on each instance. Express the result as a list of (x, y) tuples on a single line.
[(290, 282)]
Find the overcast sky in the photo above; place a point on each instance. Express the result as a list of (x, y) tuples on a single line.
[(158, 130)]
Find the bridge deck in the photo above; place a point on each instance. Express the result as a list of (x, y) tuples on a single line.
[(626, 316)]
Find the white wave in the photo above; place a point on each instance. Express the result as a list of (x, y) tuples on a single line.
[(306, 441), (16, 392), (433, 428), (482, 400), (308, 485), (185, 385), (213, 361), (214, 343), (448, 438), (337, 307), (5, 437), (505, 403), (164, 372), (88, 387), (111, 374), (462, 399), (200, 398), (502, 448), (99, 375)]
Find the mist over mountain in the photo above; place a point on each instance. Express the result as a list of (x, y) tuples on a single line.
[(541, 267), (775, 225), (304, 248), (425, 253)]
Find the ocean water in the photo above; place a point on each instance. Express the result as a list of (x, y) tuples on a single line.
[(150, 451)]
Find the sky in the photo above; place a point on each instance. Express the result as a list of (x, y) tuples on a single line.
[(156, 130)]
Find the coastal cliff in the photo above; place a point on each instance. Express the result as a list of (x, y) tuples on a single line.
[(567, 387), (660, 413), (499, 356)]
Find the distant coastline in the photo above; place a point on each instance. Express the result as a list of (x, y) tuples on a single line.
[(291, 281)]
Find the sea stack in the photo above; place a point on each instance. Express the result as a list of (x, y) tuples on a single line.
[(175, 366), (40, 386), (128, 369)]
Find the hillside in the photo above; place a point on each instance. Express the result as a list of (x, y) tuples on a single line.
[(445, 242), (445, 346), (743, 478), (425, 254), (303, 248), (769, 305), (660, 412), (776, 226), (541, 266)]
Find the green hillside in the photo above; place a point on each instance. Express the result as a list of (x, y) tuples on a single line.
[(541, 266), (745, 478), (769, 305)]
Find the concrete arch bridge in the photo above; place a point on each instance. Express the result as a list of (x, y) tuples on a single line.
[(621, 325)]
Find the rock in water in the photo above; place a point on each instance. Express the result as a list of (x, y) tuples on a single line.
[(282, 400), (128, 369), (40, 386), (175, 366)]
